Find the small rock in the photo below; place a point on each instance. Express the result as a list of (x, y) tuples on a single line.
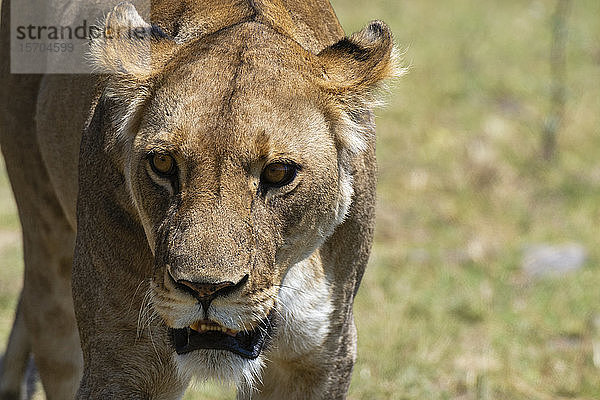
[(543, 260)]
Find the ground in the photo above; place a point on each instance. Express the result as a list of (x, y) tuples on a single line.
[(445, 310)]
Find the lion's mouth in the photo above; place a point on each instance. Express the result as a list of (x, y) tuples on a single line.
[(207, 334)]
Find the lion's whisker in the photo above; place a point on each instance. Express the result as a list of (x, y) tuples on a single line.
[(145, 308)]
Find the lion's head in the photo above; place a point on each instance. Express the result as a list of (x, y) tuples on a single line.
[(236, 148)]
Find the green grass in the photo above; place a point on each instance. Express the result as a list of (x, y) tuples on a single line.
[(445, 311)]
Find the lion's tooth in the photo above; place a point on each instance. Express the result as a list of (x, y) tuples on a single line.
[(230, 332), (201, 327)]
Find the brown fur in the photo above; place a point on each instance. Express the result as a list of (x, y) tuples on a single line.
[(225, 87)]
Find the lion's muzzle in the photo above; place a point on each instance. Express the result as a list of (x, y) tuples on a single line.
[(246, 341)]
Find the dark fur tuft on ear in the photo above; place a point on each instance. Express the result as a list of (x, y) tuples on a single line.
[(354, 71), (363, 60)]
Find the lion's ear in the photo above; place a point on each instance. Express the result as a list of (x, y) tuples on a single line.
[(127, 45), (354, 70), (131, 51)]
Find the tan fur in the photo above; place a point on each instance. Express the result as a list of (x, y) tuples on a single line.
[(225, 87)]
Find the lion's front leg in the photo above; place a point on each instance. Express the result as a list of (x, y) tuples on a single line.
[(126, 347), (120, 369)]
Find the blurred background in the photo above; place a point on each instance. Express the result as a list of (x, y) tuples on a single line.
[(484, 281)]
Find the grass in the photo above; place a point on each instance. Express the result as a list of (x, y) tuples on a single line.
[(445, 310)]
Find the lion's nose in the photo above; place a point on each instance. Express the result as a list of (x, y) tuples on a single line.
[(206, 292), (203, 290)]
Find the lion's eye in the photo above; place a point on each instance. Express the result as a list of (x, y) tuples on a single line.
[(162, 164), (278, 174)]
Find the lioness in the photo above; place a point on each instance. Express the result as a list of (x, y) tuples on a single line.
[(216, 180)]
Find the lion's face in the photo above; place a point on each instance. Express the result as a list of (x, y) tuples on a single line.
[(236, 155), (236, 181)]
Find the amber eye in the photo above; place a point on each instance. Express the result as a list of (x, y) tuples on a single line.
[(162, 164), (278, 174)]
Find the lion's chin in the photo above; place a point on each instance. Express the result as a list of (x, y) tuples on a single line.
[(207, 351), (220, 365)]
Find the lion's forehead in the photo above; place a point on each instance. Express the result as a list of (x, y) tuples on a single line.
[(239, 114), (249, 69)]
